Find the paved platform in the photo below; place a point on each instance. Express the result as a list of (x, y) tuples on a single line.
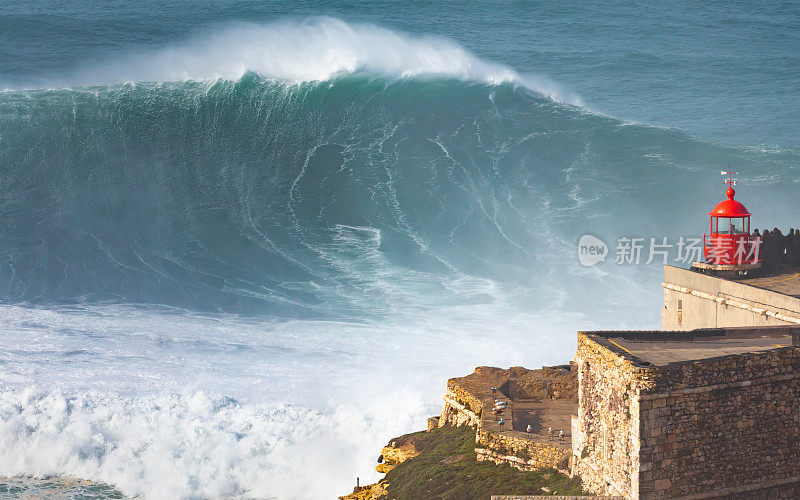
[(542, 414), (695, 345), (785, 280)]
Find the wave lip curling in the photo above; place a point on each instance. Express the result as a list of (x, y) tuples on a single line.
[(310, 50)]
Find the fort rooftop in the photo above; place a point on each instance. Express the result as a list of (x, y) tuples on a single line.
[(661, 348)]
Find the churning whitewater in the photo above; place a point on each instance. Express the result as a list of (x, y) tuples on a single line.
[(233, 266)]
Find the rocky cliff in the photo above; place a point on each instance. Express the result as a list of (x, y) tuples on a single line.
[(465, 454)]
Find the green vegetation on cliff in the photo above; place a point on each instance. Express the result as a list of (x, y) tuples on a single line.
[(446, 468)]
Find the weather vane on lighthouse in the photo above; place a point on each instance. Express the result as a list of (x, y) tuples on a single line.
[(730, 181)]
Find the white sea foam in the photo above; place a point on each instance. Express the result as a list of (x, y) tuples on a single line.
[(314, 49), (169, 404), (197, 445)]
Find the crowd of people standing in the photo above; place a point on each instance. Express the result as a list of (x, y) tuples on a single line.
[(778, 249)]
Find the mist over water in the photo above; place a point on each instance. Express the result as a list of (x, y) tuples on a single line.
[(237, 264)]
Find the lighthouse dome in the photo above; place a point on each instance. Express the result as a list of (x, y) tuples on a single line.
[(729, 207)]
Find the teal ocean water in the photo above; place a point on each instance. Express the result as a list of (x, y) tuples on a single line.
[(244, 243)]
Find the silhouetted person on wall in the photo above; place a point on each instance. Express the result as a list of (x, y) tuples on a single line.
[(785, 249), (755, 241), (766, 248), (795, 244), (779, 247)]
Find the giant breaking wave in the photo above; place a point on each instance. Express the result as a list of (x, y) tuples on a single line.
[(187, 234)]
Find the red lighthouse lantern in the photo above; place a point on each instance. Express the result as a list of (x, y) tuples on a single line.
[(730, 242)]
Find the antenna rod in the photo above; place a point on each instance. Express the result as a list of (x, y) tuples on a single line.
[(730, 180)]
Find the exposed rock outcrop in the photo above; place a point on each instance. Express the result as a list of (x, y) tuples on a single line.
[(393, 454), (396, 452), (370, 492)]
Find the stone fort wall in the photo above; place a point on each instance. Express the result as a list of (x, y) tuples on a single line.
[(606, 432), (522, 453), (724, 426), (727, 427)]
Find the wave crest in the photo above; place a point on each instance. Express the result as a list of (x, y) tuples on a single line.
[(312, 49)]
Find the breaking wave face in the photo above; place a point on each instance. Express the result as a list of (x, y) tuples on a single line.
[(326, 199), (240, 274)]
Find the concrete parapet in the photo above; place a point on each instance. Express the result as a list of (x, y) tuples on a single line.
[(695, 300)]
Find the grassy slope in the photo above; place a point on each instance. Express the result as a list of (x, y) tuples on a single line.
[(446, 468)]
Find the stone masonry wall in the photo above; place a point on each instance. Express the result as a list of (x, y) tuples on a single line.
[(460, 407), (606, 438), (523, 454), (726, 426)]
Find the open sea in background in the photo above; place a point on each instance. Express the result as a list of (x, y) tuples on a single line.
[(243, 244)]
